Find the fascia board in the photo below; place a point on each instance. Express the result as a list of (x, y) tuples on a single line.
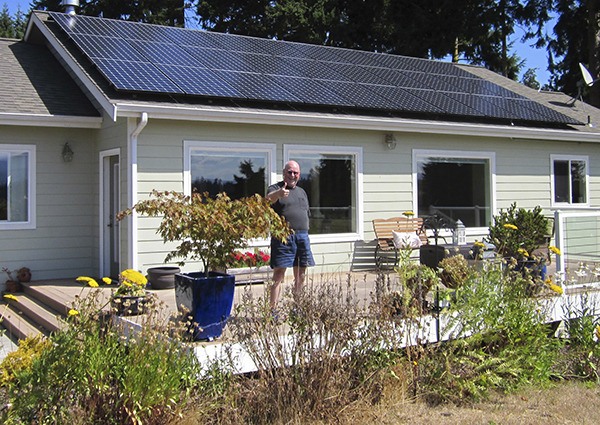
[(245, 116), (33, 120), (95, 92)]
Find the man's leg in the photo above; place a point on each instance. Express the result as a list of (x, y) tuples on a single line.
[(299, 276), (278, 276)]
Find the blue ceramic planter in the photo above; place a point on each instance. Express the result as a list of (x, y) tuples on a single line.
[(208, 299)]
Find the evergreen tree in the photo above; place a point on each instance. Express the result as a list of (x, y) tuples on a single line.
[(12, 27), (576, 41), (163, 12)]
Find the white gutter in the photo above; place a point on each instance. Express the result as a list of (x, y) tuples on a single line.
[(300, 119), (132, 189), (95, 92), (36, 120)]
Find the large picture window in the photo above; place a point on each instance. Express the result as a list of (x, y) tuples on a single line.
[(455, 185), (238, 169), (16, 187), (569, 180), (332, 180)]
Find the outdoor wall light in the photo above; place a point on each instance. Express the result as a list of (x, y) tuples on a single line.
[(67, 153), (390, 141)]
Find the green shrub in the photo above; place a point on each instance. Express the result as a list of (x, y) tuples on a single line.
[(517, 232), (454, 271), (500, 341), (28, 350), (93, 374)]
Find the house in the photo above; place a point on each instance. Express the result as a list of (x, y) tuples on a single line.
[(96, 113)]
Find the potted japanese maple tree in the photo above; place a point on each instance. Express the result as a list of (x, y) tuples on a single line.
[(207, 230)]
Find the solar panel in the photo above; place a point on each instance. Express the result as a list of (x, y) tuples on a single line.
[(162, 53), (137, 57), (108, 48), (200, 81), (136, 76)]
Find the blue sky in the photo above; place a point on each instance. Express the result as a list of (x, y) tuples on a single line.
[(534, 58)]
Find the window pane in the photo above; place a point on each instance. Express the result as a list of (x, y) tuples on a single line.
[(561, 181), (455, 188), (578, 172), (239, 174), (330, 183), (14, 186)]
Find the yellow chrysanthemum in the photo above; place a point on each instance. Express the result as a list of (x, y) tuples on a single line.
[(107, 280), (11, 297), (88, 280), (554, 249), (510, 226), (553, 286), (134, 276), (73, 312), (479, 244), (523, 252), (408, 213)]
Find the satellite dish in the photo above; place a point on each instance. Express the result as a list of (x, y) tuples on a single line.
[(587, 75)]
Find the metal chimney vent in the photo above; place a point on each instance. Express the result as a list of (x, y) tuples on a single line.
[(70, 6)]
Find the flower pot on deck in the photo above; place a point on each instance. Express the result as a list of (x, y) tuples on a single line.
[(208, 299), (162, 277)]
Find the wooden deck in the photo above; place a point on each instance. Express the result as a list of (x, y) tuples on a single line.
[(43, 305)]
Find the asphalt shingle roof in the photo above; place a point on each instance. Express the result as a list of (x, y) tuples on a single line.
[(32, 81)]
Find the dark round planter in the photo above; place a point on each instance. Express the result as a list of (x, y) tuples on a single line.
[(162, 277), (129, 305)]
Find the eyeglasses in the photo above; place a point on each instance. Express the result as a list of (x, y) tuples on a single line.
[(293, 173)]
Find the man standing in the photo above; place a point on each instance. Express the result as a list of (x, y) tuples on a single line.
[(291, 202)]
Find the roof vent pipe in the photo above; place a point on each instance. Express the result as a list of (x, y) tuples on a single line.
[(70, 6)]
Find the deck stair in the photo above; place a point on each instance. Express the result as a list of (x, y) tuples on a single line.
[(36, 312)]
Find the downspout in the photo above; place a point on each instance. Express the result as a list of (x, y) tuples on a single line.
[(132, 188)]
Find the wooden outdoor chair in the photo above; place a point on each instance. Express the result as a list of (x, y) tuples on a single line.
[(383, 228)]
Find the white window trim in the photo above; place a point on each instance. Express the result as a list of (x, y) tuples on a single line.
[(31, 193), (489, 156), (357, 152), (190, 145), (566, 205)]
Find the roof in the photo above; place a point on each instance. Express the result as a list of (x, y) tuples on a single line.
[(132, 63), (46, 39), (33, 82)]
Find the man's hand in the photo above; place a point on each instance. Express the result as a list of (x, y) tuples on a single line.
[(282, 192)]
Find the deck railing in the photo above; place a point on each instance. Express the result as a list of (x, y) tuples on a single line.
[(577, 235)]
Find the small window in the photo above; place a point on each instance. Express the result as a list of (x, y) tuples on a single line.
[(238, 169), (455, 185), (16, 187), (569, 180)]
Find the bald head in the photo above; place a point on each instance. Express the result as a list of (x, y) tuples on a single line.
[(291, 173)]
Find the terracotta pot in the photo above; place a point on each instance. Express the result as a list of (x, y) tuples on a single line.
[(24, 275), (13, 286)]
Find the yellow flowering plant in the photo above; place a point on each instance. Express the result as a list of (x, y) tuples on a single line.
[(131, 283), (518, 232)]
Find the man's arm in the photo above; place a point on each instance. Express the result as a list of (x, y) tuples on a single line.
[(282, 192)]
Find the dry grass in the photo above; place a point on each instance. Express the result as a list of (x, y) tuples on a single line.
[(565, 403)]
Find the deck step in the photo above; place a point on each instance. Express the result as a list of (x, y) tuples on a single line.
[(18, 326), (40, 314), (55, 299)]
